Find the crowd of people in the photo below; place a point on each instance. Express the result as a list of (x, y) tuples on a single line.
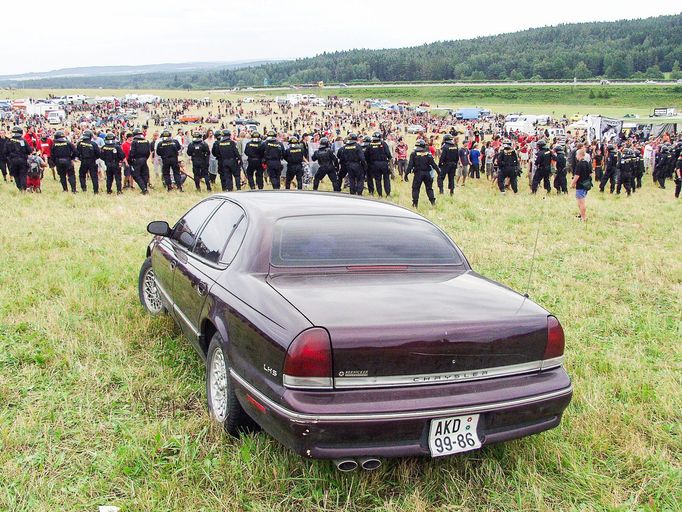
[(350, 144)]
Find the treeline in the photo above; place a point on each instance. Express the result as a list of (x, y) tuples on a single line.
[(628, 49)]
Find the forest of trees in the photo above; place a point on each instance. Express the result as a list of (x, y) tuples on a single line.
[(629, 49)]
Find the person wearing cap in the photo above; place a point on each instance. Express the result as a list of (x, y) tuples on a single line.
[(200, 153), (88, 152), (352, 163), (329, 165), (254, 157), (425, 169), (560, 183), (138, 156), (63, 154), (112, 155), (543, 167)]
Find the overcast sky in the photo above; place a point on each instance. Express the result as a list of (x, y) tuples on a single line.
[(43, 35)]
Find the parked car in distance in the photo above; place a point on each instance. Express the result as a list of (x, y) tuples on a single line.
[(415, 128), (352, 344)]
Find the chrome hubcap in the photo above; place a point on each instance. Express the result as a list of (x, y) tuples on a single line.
[(150, 292), (218, 385)]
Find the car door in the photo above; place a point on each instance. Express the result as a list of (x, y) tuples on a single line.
[(173, 252), (198, 268)]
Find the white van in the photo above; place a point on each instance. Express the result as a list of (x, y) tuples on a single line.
[(55, 116)]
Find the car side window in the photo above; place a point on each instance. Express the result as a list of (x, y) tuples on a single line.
[(235, 241), (186, 229), (217, 231)]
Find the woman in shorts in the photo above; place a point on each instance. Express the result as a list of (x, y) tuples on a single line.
[(582, 181)]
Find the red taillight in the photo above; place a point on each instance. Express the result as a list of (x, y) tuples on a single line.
[(308, 363), (555, 341)]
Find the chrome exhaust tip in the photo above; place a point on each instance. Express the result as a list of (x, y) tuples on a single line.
[(346, 465), (369, 463)]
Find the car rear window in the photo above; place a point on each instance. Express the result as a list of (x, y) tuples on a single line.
[(329, 240)]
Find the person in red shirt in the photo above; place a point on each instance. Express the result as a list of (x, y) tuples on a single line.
[(127, 175), (31, 138), (45, 149)]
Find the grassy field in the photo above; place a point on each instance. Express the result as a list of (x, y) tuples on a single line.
[(554, 100), (102, 404)]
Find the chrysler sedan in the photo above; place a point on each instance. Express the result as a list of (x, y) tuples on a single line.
[(352, 329)]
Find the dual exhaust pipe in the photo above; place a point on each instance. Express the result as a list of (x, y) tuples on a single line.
[(348, 465)]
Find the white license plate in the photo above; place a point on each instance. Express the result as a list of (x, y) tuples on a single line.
[(453, 435)]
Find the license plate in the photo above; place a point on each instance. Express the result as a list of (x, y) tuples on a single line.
[(453, 435)]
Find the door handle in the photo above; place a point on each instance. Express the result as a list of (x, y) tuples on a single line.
[(202, 289), (173, 264)]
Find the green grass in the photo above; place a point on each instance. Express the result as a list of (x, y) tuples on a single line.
[(102, 404)]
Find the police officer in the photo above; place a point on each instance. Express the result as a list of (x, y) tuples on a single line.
[(378, 155), (625, 171), (88, 152), (678, 171), (560, 183), (294, 156), (639, 170), (329, 165), (609, 175), (200, 154), (17, 152), (168, 149), (543, 167), (364, 142), (4, 142), (447, 164), (661, 165), (352, 162), (229, 162), (508, 163), (63, 154), (273, 152), (113, 156), (425, 169), (140, 150), (254, 159)]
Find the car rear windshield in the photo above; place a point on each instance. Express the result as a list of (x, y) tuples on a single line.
[(333, 240)]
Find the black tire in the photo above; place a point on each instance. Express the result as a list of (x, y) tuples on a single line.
[(231, 415), (147, 291)]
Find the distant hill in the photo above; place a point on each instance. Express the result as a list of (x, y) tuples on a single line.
[(642, 48)]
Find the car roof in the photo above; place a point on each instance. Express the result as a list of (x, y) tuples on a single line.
[(271, 205)]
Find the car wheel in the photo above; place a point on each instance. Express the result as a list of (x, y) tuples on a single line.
[(150, 297), (223, 404)]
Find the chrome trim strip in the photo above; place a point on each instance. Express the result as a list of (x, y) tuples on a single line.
[(437, 378), (184, 318), (433, 413), (552, 363), (307, 382), (162, 290)]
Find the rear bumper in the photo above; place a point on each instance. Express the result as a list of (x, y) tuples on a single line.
[(349, 426)]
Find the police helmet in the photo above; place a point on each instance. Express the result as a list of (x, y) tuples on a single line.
[(507, 144), (255, 135), (420, 143), (665, 148), (197, 136), (59, 134), (367, 138), (137, 131), (541, 144), (447, 137), (272, 134), (293, 140), (87, 135), (109, 137), (558, 148), (217, 134), (165, 134), (352, 136), (227, 133), (324, 141), (376, 135), (17, 131)]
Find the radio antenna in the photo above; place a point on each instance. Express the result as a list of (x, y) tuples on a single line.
[(532, 261)]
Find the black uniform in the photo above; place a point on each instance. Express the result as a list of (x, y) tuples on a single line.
[(329, 166), (140, 150), (17, 152), (422, 162), (294, 156), (352, 162), (113, 155), (88, 152), (560, 183), (508, 163), (610, 172), (625, 173), (3, 156), (169, 149), (661, 167), (638, 171), (229, 163), (678, 176), (200, 154), (378, 155), (273, 152), (449, 157), (254, 163), (543, 170), (63, 153)]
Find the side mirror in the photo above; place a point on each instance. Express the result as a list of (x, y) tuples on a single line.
[(159, 227)]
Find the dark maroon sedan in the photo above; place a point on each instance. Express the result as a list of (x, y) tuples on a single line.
[(352, 329)]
